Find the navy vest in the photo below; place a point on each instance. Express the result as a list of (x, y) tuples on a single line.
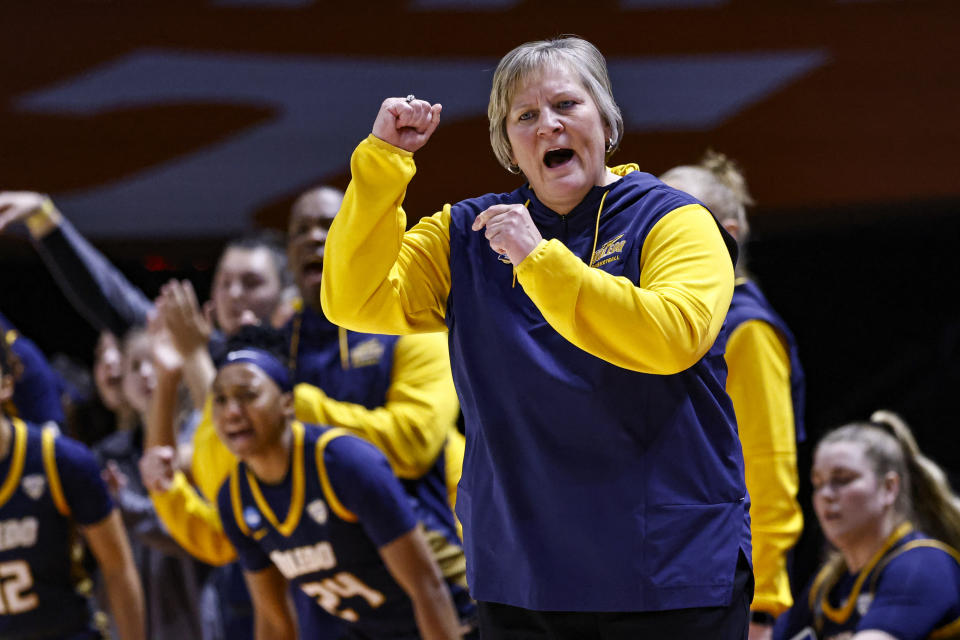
[(586, 486), (749, 303)]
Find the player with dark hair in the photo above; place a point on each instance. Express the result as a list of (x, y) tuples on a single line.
[(895, 522), (50, 486), (37, 394), (322, 509)]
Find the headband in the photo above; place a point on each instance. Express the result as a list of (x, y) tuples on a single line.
[(266, 361)]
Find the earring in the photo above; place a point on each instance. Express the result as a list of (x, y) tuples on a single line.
[(609, 145), (514, 169)]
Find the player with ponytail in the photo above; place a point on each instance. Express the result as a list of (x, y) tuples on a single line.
[(895, 523)]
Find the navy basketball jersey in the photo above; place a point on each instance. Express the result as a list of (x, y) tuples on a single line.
[(323, 525), (910, 589), (47, 484)]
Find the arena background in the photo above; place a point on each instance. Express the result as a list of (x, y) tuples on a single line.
[(161, 127)]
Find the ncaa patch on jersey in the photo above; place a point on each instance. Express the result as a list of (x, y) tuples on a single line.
[(33, 485), (252, 517), (318, 511)]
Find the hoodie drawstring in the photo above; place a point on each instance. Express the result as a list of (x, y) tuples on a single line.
[(596, 230), (596, 235)]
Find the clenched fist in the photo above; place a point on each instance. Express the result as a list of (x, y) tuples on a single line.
[(510, 230), (407, 125)]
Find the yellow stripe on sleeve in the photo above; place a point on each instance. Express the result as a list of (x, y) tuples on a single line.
[(332, 500), (53, 476), (16, 462)]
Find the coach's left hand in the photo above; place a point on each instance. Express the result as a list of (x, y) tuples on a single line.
[(510, 230)]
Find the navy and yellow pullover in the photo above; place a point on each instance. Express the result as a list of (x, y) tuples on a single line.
[(603, 470), (48, 485)]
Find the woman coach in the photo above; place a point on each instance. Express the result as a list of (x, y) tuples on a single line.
[(602, 492)]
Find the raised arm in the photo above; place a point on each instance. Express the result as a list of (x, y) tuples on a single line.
[(94, 286), (188, 335), (191, 520), (403, 285)]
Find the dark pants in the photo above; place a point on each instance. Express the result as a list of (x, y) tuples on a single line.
[(503, 622)]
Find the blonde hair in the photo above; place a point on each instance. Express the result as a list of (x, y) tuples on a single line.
[(925, 497), (718, 182), (575, 54)]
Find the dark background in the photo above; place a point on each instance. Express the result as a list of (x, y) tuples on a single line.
[(853, 165)]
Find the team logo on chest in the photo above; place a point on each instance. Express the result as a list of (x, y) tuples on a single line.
[(863, 603), (33, 485), (252, 517), (367, 353), (609, 251), (318, 511)]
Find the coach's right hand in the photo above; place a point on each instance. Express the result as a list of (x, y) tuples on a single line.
[(407, 125)]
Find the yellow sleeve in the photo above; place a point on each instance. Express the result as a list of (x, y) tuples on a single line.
[(456, 446), (376, 278), (419, 413), (191, 518), (759, 385), (664, 325), (193, 522)]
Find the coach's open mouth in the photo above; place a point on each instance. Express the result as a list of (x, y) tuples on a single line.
[(557, 157)]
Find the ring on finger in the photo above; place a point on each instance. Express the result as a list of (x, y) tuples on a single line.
[(410, 98)]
